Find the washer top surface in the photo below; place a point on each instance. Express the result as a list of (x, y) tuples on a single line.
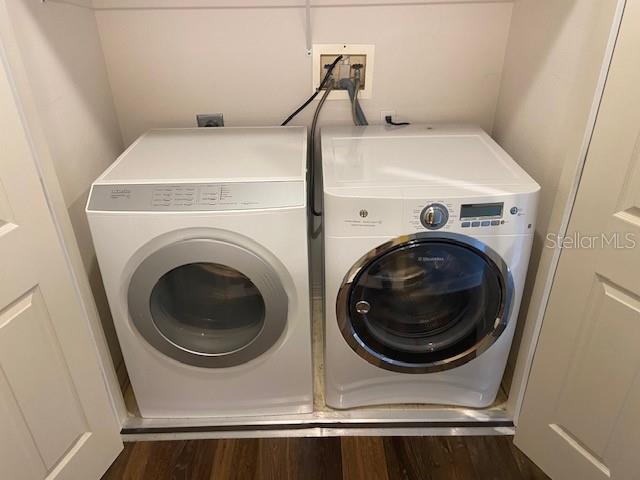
[(246, 154), (416, 156)]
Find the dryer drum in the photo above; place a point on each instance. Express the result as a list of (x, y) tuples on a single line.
[(210, 293), (432, 303), (219, 307)]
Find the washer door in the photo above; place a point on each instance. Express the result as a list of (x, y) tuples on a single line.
[(208, 303), (425, 303)]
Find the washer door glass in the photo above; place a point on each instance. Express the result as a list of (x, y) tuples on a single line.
[(207, 308), (207, 302), (426, 305)]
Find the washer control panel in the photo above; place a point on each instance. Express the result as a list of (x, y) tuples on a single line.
[(487, 214), (470, 216), (434, 216)]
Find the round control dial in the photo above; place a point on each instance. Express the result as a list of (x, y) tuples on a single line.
[(434, 216)]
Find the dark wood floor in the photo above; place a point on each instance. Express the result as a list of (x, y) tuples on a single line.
[(352, 458)]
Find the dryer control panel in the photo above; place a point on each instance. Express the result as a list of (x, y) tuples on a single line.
[(185, 197)]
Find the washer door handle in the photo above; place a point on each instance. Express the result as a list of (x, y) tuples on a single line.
[(363, 307)]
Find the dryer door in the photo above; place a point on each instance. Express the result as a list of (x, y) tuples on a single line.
[(425, 303), (207, 303)]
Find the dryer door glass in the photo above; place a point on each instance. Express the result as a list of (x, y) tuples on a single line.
[(207, 308), (426, 305), (207, 302)]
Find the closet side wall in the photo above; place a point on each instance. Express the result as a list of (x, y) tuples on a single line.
[(554, 65)]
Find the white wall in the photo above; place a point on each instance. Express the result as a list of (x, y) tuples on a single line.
[(552, 72), (61, 52), (434, 62)]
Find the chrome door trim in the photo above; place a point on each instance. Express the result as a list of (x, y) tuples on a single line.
[(384, 362), (197, 250)]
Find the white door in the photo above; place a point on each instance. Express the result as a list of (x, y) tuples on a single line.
[(581, 411), (56, 421)]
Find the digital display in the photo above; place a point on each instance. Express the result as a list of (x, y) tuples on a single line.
[(477, 210)]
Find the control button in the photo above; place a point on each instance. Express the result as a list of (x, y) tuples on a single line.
[(495, 222), (485, 223), (363, 307), (475, 224), (513, 210), (466, 224), (434, 216)]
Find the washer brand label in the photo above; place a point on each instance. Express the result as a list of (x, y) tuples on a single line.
[(363, 223), (362, 220), (364, 217)]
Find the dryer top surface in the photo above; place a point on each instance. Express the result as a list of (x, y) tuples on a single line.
[(417, 156), (212, 155)]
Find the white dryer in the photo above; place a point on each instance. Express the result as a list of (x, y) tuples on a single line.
[(201, 238), (428, 232)]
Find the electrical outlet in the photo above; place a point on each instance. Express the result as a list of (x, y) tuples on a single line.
[(358, 56), (210, 120), (386, 113)]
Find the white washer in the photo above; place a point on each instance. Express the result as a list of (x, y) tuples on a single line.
[(201, 238), (428, 232)]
